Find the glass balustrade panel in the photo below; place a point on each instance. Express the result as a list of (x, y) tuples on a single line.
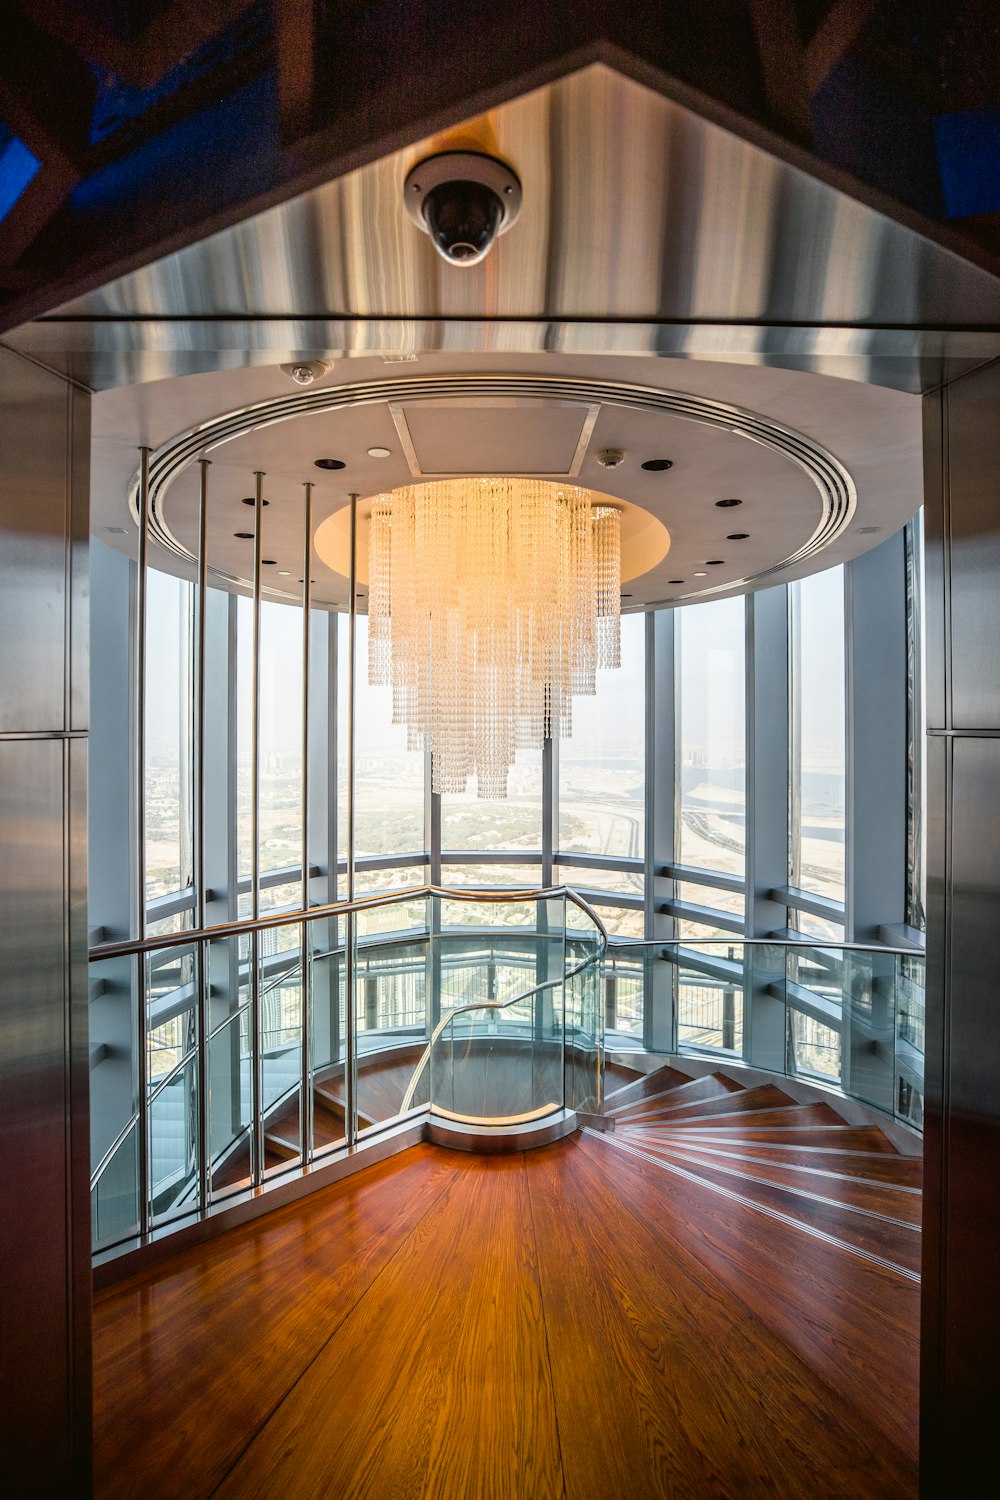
[(499, 1055), (327, 990), (116, 986), (394, 977), (172, 1063), (710, 997), (230, 1065), (114, 1198), (908, 1092), (279, 961)]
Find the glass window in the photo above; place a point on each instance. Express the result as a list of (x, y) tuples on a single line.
[(388, 778), (582, 877), (602, 771), (711, 736), (280, 750), (472, 822), (168, 791), (817, 728)]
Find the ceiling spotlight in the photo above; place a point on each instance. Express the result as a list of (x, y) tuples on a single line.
[(284, 573), (379, 453), (657, 465), (701, 575), (252, 500), (610, 458), (305, 371), (738, 536), (725, 504), (463, 200), (675, 580), (329, 463), (268, 562), (716, 562), (244, 536)]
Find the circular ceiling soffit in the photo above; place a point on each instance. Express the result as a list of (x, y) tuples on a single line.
[(833, 483), (645, 541)]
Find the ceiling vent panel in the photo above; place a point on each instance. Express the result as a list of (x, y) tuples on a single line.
[(495, 435)]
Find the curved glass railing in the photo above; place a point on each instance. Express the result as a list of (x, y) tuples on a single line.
[(263, 1046), (846, 1017)]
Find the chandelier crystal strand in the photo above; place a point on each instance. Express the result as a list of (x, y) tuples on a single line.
[(492, 602)]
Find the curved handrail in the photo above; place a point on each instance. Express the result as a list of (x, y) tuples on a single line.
[(191, 937), (485, 897)]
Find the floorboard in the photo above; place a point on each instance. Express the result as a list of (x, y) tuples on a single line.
[(575, 1322)]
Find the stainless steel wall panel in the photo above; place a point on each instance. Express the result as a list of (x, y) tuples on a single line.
[(936, 574), (973, 459), (33, 555), (41, 1310), (44, 1187), (78, 617), (960, 1328)]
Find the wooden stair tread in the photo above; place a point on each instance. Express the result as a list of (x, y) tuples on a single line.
[(656, 1082), (894, 1199), (793, 1115), (620, 1075), (819, 1299), (808, 1208), (878, 1166), (713, 1086), (767, 1096), (816, 1138)]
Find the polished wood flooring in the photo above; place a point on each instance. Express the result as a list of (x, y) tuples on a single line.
[(703, 1303)]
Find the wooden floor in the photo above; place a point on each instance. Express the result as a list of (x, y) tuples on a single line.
[(613, 1316)]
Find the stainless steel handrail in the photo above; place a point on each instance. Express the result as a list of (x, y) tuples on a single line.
[(319, 913), (734, 940), (500, 895)]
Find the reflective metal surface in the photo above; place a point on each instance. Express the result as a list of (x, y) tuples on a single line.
[(960, 1328), (645, 229), (45, 1220)]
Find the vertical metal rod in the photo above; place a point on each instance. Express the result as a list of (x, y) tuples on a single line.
[(198, 819), (139, 894), (255, 1014), (350, 1064), (306, 1112)]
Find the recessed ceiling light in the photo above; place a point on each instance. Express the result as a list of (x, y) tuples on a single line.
[(284, 573), (675, 580), (626, 596), (252, 500), (657, 465), (244, 536), (329, 463), (725, 504), (715, 562), (701, 575), (738, 536), (379, 453), (268, 562)]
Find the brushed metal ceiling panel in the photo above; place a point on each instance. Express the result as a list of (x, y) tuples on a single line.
[(636, 212)]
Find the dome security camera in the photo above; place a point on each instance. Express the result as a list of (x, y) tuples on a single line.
[(305, 371), (463, 200)]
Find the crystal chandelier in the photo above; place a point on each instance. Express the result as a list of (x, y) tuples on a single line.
[(492, 602)]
